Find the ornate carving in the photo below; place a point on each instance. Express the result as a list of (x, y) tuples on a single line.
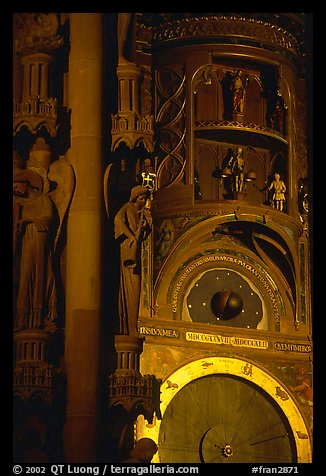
[(132, 128), (37, 32), (258, 273), (34, 377), (225, 124), (36, 113), (170, 116), (136, 394), (222, 26), (129, 124)]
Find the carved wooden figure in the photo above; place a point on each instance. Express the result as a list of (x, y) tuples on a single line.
[(279, 188), (238, 85)]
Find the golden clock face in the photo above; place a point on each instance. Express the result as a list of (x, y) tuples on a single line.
[(224, 419)]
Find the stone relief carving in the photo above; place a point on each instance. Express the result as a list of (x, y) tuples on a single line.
[(38, 31), (39, 216)]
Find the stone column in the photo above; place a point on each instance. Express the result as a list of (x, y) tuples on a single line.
[(83, 278)]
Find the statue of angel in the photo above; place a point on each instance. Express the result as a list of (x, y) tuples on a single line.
[(39, 219)]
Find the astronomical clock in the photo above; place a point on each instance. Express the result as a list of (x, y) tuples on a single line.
[(180, 175)]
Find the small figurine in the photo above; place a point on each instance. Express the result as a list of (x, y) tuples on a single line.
[(148, 175), (277, 118), (279, 188), (238, 86), (237, 164)]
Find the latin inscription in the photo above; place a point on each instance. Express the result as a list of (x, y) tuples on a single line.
[(289, 347), (155, 331), (229, 340)]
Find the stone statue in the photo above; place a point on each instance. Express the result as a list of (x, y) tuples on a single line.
[(278, 188), (37, 227), (132, 225), (36, 300)]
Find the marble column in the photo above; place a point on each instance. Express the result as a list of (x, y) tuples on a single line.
[(84, 230)]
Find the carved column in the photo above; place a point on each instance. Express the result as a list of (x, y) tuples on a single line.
[(36, 375), (129, 124), (83, 279)]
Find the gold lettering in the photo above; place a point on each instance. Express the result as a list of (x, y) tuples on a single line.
[(155, 331), (218, 339), (303, 348)]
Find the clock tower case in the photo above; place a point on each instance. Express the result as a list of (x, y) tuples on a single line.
[(229, 329)]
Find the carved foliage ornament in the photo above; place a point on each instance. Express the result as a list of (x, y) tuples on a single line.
[(37, 32)]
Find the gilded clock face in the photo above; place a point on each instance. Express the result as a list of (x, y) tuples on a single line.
[(224, 419)]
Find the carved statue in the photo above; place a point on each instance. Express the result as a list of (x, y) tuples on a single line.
[(277, 118), (132, 226), (238, 86), (237, 165), (38, 224), (165, 240), (279, 188)]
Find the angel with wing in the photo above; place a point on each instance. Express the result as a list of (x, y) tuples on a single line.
[(39, 218)]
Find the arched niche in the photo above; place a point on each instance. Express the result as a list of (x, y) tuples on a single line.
[(207, 95), (206, 161), (254, 102)]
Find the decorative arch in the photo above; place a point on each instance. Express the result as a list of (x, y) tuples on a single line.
[(184, 262), (254, 107)]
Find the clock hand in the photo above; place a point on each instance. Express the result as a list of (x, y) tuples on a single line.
[(269, 439)]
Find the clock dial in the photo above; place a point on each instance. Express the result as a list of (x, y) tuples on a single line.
[(225, 297), (224, 419)]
